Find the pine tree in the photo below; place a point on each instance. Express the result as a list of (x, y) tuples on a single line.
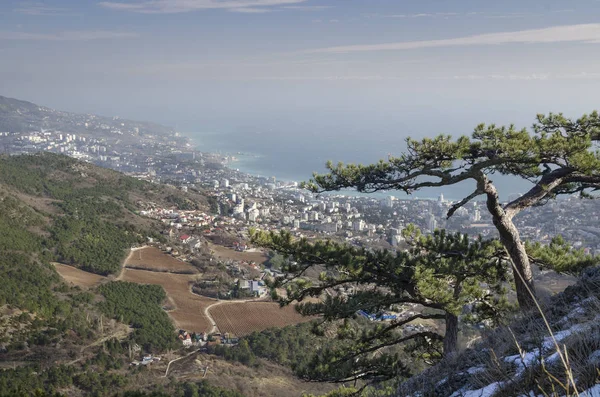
[(442, 273), (558, 157), (446, 277)]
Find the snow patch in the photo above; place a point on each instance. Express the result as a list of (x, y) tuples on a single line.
[(487, 391), (591, 392), (594, 358), (475, 370), (560, 335), (551, 359)]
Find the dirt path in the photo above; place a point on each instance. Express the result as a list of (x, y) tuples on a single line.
[(212, 320), (131, 251), (119, 334)]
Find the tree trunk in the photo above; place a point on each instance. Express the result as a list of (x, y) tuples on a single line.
[(509, 236), (451, 336)]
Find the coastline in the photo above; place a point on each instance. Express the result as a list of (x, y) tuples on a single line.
[(241, 161)]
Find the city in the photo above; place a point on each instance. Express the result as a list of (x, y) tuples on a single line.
[(157, 154)]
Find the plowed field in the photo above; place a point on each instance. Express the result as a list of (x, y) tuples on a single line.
[(189, 308), (243, 318), (78, 277), (151, 258)]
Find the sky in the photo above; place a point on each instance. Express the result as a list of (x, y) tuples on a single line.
[(406, 67)]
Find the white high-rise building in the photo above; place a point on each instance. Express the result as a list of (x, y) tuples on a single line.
[(253, 215), (397, 239), (225, 183), (358, 225), (431, 223), (389, 201)]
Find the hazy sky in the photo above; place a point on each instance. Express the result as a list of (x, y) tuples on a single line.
[(229, 63)]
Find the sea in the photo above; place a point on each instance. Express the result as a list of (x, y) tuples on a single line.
[(296, 156)]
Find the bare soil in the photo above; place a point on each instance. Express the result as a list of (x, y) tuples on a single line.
[(220, 252), (78, 277), (243, 318), (152, 258)]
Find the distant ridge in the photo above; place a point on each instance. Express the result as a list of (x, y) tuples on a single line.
[(17, 115)]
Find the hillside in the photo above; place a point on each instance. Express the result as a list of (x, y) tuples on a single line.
[(77, 213), (22, 116), (56, 209), (522, 359), (79, 339)]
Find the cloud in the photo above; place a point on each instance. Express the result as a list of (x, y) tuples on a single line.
[(471, 14), (419, 15), (540, 76), (533, 76), (584, 33), (327, 78), (68, 35), (179, 6), (39, 9), (251, 10), (307, 8)]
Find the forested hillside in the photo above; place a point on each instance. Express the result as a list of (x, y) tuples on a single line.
[(59, 338), (84, 215)]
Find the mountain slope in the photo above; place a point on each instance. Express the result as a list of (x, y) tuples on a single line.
[(22, 116), (55, 338), (521, 359), (84, 215), (55, 208)]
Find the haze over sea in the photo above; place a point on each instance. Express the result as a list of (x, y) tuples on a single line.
[(293, 151)]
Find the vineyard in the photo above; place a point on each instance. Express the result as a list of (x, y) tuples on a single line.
[(77, 277), (188, 312), (151, 258), (244, 318)]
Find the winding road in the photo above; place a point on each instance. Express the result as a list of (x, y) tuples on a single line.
[(212, 320)]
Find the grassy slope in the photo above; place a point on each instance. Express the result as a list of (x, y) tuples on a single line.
[(507, 361)]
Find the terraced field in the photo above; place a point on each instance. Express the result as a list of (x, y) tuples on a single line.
[(151, 258), (186, 309), (242, 318)]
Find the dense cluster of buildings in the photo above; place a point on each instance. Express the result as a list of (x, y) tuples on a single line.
[(241, 200)]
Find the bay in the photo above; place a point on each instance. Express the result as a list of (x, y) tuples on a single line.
[(294, 156)]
